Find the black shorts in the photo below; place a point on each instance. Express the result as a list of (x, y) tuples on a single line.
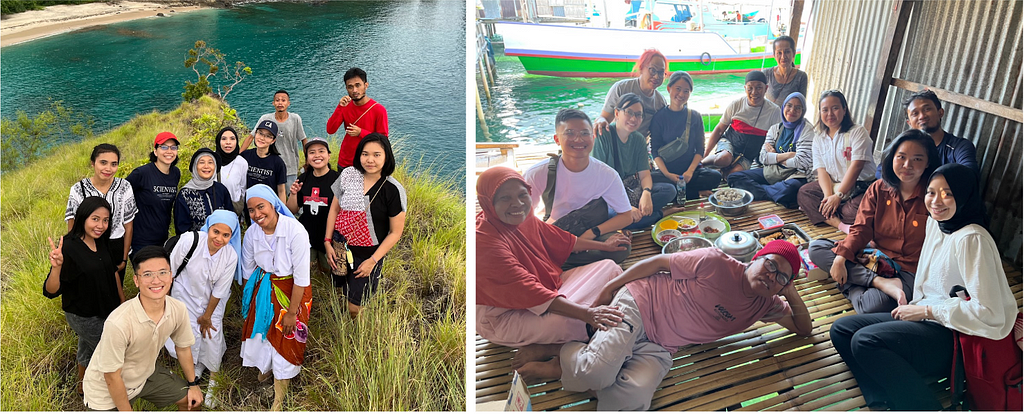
[(358, 288)]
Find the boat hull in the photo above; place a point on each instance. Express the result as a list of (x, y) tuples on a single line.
[(570, 51)]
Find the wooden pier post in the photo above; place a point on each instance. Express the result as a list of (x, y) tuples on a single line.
[(483, 76), (480, 116)]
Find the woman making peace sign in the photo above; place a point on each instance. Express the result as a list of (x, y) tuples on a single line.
[(84, 272)]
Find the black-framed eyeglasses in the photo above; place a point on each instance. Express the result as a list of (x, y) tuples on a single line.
[(773, 268), (632, 114)]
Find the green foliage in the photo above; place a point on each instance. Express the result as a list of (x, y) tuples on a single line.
[(18, 6), (27, 138), (206, 62), (196, 90)]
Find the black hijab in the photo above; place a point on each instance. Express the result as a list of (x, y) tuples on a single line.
[(226, 158), (970, 209)]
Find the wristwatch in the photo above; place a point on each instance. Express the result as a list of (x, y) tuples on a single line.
[(647, 189), (194, 383), (596, 231), (841, 195)]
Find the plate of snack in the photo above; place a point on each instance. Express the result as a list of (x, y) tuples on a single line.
[(789, 232), (685, 219)]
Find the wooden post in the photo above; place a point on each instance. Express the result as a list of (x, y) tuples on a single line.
[(794, 20), (883, 74), (483, 76), (480, 116), (487, 61)]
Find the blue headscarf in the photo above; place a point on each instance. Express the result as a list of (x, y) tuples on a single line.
[(263, 191), (264, 307), (231, 220), (798, 126)]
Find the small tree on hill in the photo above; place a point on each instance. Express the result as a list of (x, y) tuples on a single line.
[(206, 62)]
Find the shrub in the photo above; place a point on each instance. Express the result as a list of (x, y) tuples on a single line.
[(27, 138)]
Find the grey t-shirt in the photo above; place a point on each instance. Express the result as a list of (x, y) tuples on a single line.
[(650, 103), (289, 139), (778, 91)]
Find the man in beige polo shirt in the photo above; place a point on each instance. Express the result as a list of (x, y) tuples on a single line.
[(123, 368)]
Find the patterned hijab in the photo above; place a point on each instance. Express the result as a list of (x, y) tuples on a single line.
[(197, 183)]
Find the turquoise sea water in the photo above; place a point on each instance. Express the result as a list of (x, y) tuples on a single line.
[(523, 106), (414, 54)]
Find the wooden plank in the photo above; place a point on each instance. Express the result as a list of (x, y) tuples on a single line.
[(966, 101), (794, 20), (889, 56), (806, 373)]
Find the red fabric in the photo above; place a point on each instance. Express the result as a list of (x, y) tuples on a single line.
[(782, 248), (352, 224), (743, 128), (517, 267), (374, 120), (992, 370)]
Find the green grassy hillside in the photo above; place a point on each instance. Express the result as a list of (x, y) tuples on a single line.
[(405, 352)]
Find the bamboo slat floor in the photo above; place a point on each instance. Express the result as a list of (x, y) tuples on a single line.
[(762, 368)]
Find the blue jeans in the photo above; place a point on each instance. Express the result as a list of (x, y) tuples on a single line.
[(783, 192), (892, 360), (661, 195)]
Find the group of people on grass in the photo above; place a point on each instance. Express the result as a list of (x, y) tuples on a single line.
[(553, 288), (342, 222)]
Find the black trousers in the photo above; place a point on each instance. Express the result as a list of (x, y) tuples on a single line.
[(892, 360)]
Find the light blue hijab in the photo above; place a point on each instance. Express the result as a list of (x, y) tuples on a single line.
[(231, 220), (263, 191), (264, 307)]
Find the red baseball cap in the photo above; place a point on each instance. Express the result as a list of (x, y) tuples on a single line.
[(163, 137)]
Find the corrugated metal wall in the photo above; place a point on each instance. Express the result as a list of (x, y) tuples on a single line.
[(845, 45), (968, 47)]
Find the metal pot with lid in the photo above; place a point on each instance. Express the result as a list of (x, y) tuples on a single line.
[(739, 244)]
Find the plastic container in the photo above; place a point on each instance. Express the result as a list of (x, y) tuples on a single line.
[(770, 221)]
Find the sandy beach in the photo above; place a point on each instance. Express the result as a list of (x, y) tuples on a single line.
[(35, 24)]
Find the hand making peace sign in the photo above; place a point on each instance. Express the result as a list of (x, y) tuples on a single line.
[(56, 254)]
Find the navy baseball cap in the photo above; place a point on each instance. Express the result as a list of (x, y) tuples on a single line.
[(270, 126)]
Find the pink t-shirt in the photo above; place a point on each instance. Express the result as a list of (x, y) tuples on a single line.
[(701, 300)]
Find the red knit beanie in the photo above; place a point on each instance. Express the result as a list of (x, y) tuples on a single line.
[(782, 248)]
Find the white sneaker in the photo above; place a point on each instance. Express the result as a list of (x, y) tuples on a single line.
[(208, 401)]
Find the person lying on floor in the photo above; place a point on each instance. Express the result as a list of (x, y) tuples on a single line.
[(670, 301)]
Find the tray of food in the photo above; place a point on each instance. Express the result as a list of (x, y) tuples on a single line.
[(687, 223), (788, 232)]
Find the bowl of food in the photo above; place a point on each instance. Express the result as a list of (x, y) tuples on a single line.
[(668, 224), (687, 224), (666, 236), (731, 201), (712, 228), (685, 244)]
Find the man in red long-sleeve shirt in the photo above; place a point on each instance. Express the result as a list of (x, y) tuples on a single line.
[(366, 116)]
